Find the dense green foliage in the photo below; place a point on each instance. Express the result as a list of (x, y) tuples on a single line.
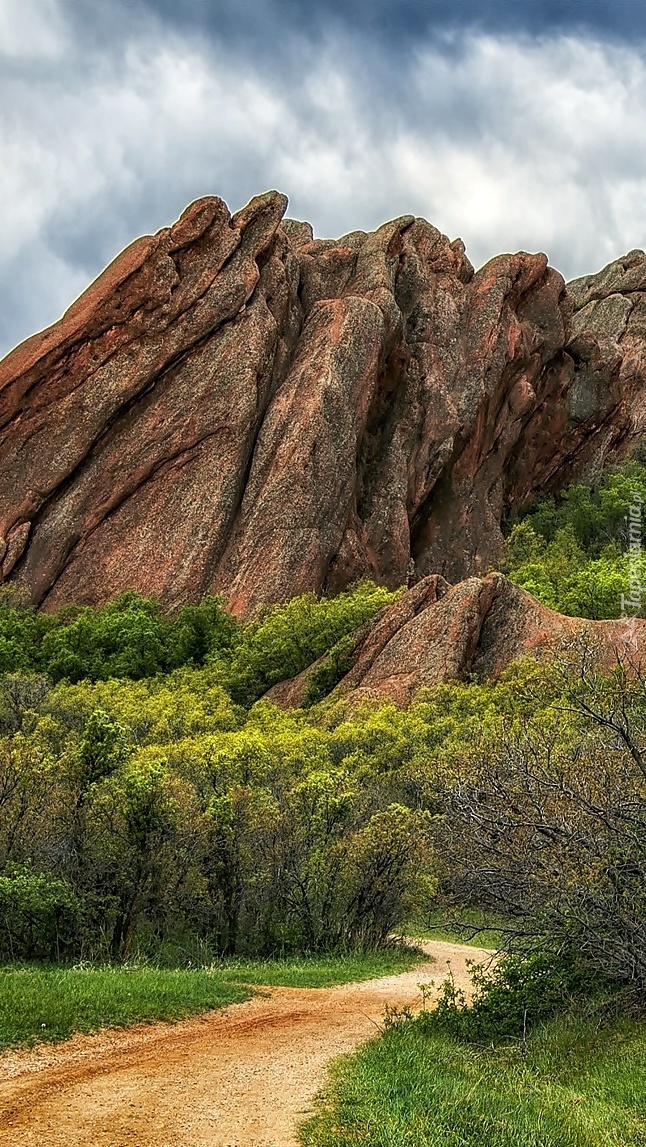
[(158, 811), (132, 638), (140, 801), (515, 995), (325, 676), (570, 1085), (286, 639), (155, 805), (128, 637), (573, 553), (151, 801), (159, 816)]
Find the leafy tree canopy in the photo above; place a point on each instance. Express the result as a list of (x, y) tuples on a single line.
[(574, 553)]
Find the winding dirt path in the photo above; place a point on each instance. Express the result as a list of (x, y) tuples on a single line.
[(244, 1076)]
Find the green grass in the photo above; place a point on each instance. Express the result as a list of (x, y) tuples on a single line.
[(447, 926), (51, 1003), (573, 1087), (320, 971), (40, 1003)]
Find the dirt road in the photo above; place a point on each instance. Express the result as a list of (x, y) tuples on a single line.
[(241, 1077)]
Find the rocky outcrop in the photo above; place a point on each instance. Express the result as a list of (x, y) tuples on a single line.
[(236, 407), (437, 633)]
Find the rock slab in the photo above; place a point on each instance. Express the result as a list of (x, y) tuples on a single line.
[(236, 407), (436, 633)]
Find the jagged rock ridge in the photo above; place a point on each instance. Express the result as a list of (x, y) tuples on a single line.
[(236, 407), (437, 632)]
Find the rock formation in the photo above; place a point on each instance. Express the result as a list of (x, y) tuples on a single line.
[(236, 407), (437, 632)]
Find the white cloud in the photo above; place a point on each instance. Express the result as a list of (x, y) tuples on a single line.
[(511, 143), (552, 155), (31, 29)]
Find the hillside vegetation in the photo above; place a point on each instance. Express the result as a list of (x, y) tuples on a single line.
[(154, 807), (574, 553), (160, 817), (543, 831)]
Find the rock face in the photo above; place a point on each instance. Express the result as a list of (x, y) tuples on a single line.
[(236, 407), (437, 632)]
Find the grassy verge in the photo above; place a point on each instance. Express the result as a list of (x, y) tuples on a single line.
[(572, 1087), (51, 1003), (320, 971), (449, 926)]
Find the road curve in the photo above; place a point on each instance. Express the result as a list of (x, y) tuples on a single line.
[(244, 1076)]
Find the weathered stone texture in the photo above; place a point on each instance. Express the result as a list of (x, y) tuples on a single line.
[(237, 407)]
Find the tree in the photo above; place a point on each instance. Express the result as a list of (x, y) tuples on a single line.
[(285, 639), (546, 821), (40, 915)]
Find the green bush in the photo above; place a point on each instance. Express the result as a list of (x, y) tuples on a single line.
[(330, 672), (22, 629), (40, 915), (594, 514), (179, 818), (285, 639), (514, 996), (129, 637)]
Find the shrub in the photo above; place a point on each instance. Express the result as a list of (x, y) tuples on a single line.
[(40, 915), (546, 821), (572, 553), (330, 672), (515, 995), (285, 639)]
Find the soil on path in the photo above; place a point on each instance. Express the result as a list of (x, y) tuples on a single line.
[(244, 1076)]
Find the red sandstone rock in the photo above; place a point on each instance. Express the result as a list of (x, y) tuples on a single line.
[(437, 633), (236, 407)]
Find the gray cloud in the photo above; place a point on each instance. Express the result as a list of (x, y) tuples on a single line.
[(398, 23), (108, 131)]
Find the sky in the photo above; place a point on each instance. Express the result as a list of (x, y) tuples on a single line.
[(515, 124)]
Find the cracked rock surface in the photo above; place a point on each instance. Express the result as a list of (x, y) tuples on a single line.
[(236, 407)]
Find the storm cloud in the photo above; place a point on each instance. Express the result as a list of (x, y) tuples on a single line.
[(514, 125)]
